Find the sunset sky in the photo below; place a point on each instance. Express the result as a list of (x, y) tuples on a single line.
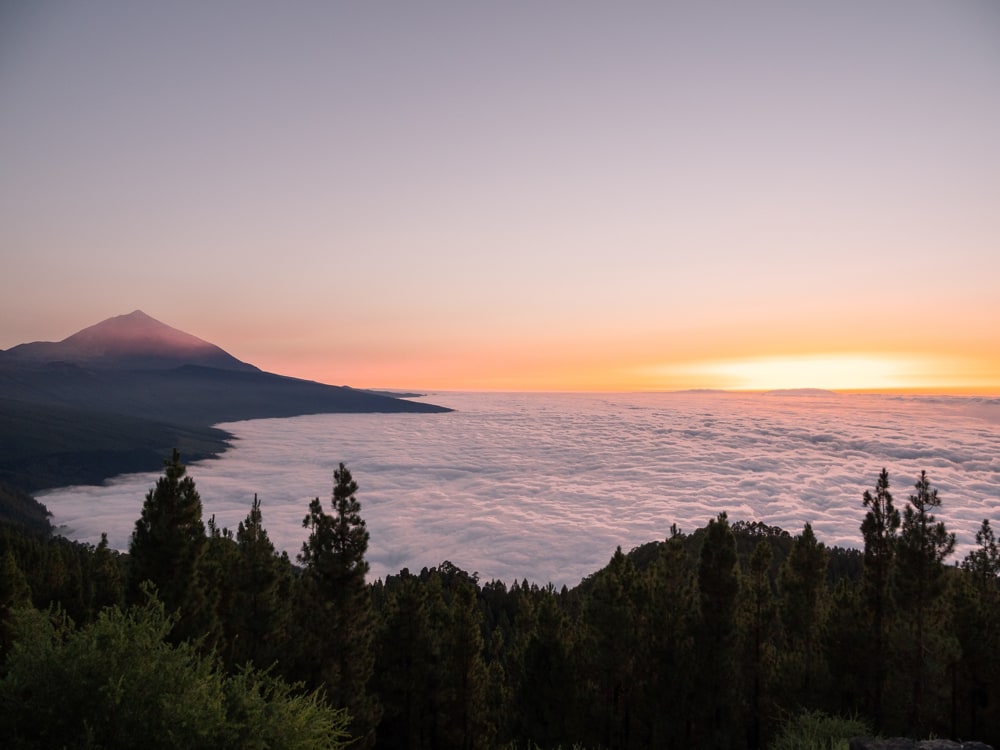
[(515, 196)]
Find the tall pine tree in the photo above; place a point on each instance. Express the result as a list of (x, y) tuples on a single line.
[(802, 583), (879, 529), (718, 588), (257, 621), (924, 543), (407, 661), (167, 545), (976, 613), (760, 618), (338, 604)]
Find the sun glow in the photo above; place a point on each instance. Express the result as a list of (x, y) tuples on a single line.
[(836, 372)]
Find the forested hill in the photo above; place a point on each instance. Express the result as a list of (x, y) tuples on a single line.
[(120, 395), (734, 636)]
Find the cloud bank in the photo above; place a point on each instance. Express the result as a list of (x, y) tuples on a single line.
[(545, 486)]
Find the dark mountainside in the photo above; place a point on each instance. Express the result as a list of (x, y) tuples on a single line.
[(120, 395)]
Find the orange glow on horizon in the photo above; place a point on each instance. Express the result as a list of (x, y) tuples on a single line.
[(835, 372), (844, 372)]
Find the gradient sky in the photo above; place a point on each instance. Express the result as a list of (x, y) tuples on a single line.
[(553, 195)]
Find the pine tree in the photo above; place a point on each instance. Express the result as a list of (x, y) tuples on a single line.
[(466, 727), (168, 543), (976, 607), (718, 587), (408, 653), (14, 589), (256, 620), (924, 543), (879, 529), (107, 577), (984, 561), (669, 630), (802, 583), (14, 593), (611, 619), (545, 696), (760, 615), (341, 624)]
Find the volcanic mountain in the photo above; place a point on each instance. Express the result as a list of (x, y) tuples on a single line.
[(119, 395), (128, 342)]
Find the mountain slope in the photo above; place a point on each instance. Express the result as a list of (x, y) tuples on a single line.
[(133, 341), (44, 445), (117, 396), (191, 394), (135, 365)]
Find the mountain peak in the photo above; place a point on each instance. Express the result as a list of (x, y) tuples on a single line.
[(133, 341)]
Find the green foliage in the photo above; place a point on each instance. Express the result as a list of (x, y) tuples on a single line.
[(462, 710), (702, 640), (168, 543), (612, 649), (14, 589), (759, 623), (802, 583), (14, 593), (547, 693), (408, 654), (266, 713), (669, 625), (54, 444), (255, 617), (335, 613), (334, 553), (718, 586), (984, 561), (815, 730), (879, 530), (118, 683), (18, 507), (924, 543), (80, 578)]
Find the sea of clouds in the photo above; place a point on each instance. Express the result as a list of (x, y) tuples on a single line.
[(545, 486)]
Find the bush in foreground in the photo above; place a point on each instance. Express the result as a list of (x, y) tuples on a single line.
[(119, 684), (815, 730)]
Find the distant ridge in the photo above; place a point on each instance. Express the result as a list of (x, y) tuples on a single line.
[(120, 395), (800, 392), (133, 341)]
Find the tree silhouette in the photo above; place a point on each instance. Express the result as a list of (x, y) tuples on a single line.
[(718, 587), (168, 543), (338, 615), (879, 529), (802, 582), (257, 620), (924, 543)]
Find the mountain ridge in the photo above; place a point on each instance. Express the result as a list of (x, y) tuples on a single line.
[(120, 395)]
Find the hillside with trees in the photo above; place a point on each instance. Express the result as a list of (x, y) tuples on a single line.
[(735, 635)]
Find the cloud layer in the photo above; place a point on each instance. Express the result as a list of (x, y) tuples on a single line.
[(545, 486)]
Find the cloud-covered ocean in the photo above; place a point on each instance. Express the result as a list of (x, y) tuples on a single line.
[(545, 486)]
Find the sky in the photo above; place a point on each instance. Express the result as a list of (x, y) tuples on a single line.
[(515, 196)]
